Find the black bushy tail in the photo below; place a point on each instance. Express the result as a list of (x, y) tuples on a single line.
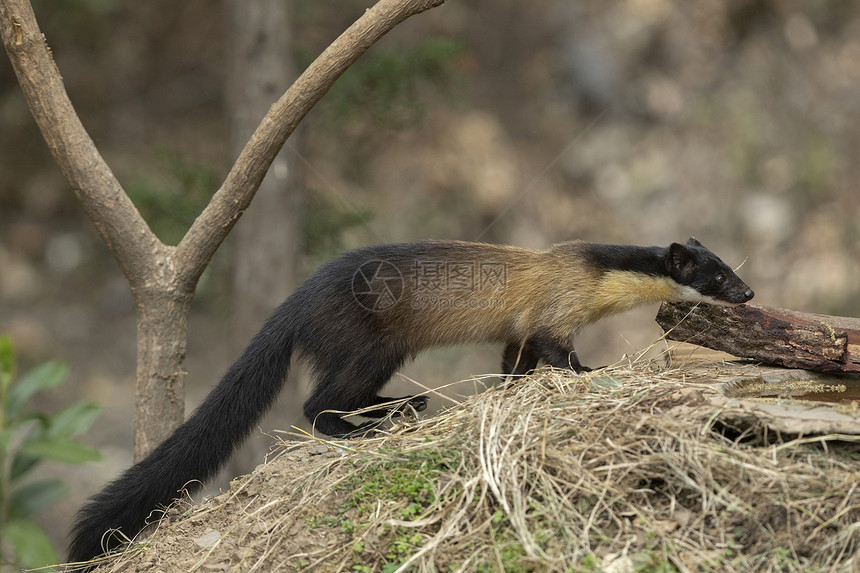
[(197, 449)]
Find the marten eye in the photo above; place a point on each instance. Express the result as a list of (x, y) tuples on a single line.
[(720, 278)]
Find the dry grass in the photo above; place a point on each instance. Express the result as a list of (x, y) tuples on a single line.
[(628, 469)]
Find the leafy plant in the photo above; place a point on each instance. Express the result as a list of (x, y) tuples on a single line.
[(28, 438)]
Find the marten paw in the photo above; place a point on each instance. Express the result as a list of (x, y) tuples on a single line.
[(418, 403)]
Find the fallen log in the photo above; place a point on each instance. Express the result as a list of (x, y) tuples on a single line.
[(769, 335)]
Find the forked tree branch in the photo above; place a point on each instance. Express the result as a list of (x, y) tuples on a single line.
[(139, 252)]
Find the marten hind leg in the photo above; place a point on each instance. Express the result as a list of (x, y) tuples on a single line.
[(330, 423), (350, 384)]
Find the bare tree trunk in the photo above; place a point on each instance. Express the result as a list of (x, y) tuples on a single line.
[(159, 405), (268, 239)]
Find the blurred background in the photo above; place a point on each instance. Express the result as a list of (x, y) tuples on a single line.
[(634, 121)]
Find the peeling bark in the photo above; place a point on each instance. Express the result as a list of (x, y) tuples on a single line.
[(770, 335)]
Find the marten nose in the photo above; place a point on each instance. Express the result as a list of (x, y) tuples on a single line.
[(749, 294)]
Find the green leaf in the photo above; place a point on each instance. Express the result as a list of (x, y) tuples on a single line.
[(21, 464), (47, 375), (74, 420), (32, 497), (7, 364), (30, 543), (26, 429), (6, 435), (61, 450)]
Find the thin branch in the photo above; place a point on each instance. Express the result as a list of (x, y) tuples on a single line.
[(217, 219), (120, 225)]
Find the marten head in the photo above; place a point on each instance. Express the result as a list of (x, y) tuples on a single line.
[(707, 277)]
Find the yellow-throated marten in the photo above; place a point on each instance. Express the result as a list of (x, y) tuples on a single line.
[(360, 317)]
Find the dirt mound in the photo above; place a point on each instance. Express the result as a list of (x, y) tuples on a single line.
[(627, 469)]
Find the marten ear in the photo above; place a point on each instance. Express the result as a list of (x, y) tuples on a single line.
[(679, 260), (692, 242)]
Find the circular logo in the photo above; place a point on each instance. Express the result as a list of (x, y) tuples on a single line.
[(377, 285)]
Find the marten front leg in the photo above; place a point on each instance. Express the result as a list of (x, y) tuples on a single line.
[(556, 353), (518, 358)]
